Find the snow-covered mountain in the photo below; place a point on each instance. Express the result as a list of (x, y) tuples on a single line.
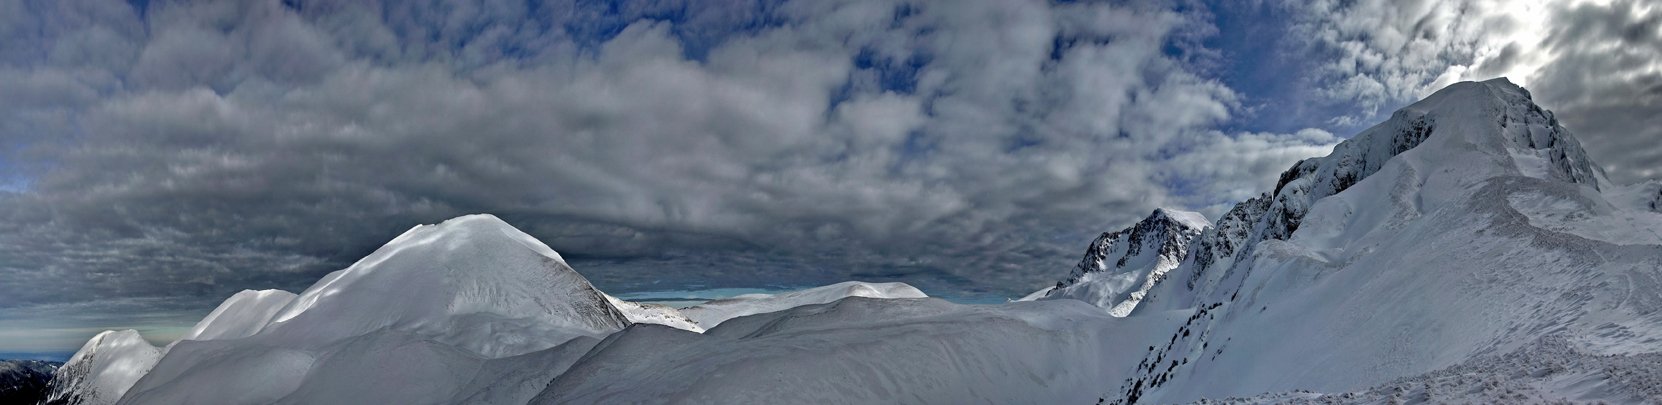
[(712, 313), (421, 314), (1463, 250), (103, 370), (1120, 267), (25, 381), (1468, 225)]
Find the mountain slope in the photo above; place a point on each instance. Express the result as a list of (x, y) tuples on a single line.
[(25, 381), (242, 315), (1469, 224), (863, 350), (712, 313), (654, 314), (410, 323), (1120, 267), (103, 370)]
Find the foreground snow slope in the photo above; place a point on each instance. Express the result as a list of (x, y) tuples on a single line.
[(713, 313), (411, 323), (104, 369), (1120, 267), (863, 350)]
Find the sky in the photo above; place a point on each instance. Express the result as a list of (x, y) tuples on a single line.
[(158, 156)]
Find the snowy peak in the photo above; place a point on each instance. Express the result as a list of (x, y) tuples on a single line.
[(104, 368), (473, 282), (1446, 144), (1502, 119), (1119, 267)]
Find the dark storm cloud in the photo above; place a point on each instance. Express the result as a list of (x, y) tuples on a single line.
[(1605, 82), (191, 149)]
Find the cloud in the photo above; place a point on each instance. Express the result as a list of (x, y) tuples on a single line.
[(1598, 64), (188, 150)]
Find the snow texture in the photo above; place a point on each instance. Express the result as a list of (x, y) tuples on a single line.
[(712, 313), (654, 314), (104, 369), (411, 323), (1120, 267), (242, 315)]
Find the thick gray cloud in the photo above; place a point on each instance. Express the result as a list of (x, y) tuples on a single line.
[(1598, 64), (192, 149)]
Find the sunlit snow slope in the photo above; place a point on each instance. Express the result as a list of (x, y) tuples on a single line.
[(103, 370), (410, 323)]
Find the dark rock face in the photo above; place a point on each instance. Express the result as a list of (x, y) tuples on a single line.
[(25, 381)]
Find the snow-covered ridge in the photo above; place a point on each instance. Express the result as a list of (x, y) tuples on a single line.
[(654, 314), (1494, 119), (104, 369), (242, 315), (713, 313), (1120, 267)]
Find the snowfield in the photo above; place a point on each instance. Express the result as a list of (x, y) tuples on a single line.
[(1465, 250), (712, 313)]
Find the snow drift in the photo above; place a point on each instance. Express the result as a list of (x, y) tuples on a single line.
[(712, 313)]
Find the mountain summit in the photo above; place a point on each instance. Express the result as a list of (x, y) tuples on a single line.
[(1120, 267)]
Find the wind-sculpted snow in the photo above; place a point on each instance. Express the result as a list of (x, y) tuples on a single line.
[(1120, 267), (103, 370), (1548, 371), (411, 323), (473, 282), (242, 315), (862, 350), (710, 314)]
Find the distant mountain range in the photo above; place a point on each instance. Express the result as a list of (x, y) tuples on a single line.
[(25, 381)]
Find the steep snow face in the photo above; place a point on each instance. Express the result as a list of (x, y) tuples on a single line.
[(862, 350), (654, 314), (472, 282), (103, 369), (1477, 130), (1120, 267), (1469, 224), (242, 315), (713, 313)]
